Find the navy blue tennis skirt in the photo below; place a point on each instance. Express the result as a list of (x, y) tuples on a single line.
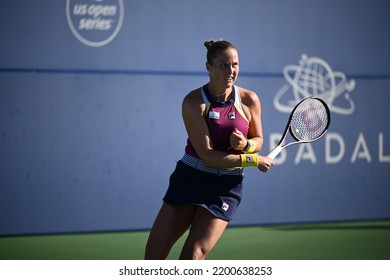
[(219, 194)]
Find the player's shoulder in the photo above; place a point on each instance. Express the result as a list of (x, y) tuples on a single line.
[(247, 95), (193, 102), (194, 96)]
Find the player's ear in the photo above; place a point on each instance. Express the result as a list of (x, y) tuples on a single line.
[(208, 67)]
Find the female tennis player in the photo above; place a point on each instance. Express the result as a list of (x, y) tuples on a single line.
[(223, 123)]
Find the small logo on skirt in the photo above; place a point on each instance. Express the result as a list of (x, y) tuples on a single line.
[(225, 206)]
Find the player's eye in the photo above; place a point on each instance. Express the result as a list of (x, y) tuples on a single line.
[(224, 65)]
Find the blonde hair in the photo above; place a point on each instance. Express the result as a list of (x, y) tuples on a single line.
[(214, 47)]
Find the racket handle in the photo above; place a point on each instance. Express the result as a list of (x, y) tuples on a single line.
[(275, 152)]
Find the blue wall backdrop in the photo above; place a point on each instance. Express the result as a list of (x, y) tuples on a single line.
[(91, 90)]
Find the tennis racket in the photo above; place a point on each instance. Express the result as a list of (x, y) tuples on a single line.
[(308, 122)]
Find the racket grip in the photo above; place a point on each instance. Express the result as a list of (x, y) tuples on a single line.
[(275, 152)]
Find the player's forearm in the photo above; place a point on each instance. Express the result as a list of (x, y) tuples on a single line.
[(258, 143), (219, 159)]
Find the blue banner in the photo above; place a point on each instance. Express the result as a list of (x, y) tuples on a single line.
[(90, 107)]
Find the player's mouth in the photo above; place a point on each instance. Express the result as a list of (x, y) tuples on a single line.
[(229, 79)]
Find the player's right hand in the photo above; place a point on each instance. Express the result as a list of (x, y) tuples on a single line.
[(265, 163)]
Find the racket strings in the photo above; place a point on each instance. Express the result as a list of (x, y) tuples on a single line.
[(309, 120)]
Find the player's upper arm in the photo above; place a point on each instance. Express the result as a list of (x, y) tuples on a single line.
[(252, 108), (192, 110)]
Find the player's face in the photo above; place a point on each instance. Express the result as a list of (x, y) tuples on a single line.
[(225, 68)]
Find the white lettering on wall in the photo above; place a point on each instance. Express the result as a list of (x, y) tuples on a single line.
[(382, 157), (335, 149)]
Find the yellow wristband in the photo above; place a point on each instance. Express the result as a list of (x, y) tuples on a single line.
[(250, 147), (249, 160)]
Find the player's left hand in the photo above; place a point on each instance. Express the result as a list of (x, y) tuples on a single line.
[(237, 140)]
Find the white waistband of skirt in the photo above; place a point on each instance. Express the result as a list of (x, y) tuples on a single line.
[(198, 164)]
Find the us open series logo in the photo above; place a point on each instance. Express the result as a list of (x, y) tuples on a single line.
[(95, 23)]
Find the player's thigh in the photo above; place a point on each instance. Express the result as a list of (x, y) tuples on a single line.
[(206, 229), (171, 222)]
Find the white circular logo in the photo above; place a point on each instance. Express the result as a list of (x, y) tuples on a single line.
[(95, 23)]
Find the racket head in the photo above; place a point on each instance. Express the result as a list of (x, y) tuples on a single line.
[(309, 120)]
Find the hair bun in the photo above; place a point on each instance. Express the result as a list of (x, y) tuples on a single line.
[(209, 43), (214, 47)]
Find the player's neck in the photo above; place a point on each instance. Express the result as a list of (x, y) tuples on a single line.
[(219, 94)]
